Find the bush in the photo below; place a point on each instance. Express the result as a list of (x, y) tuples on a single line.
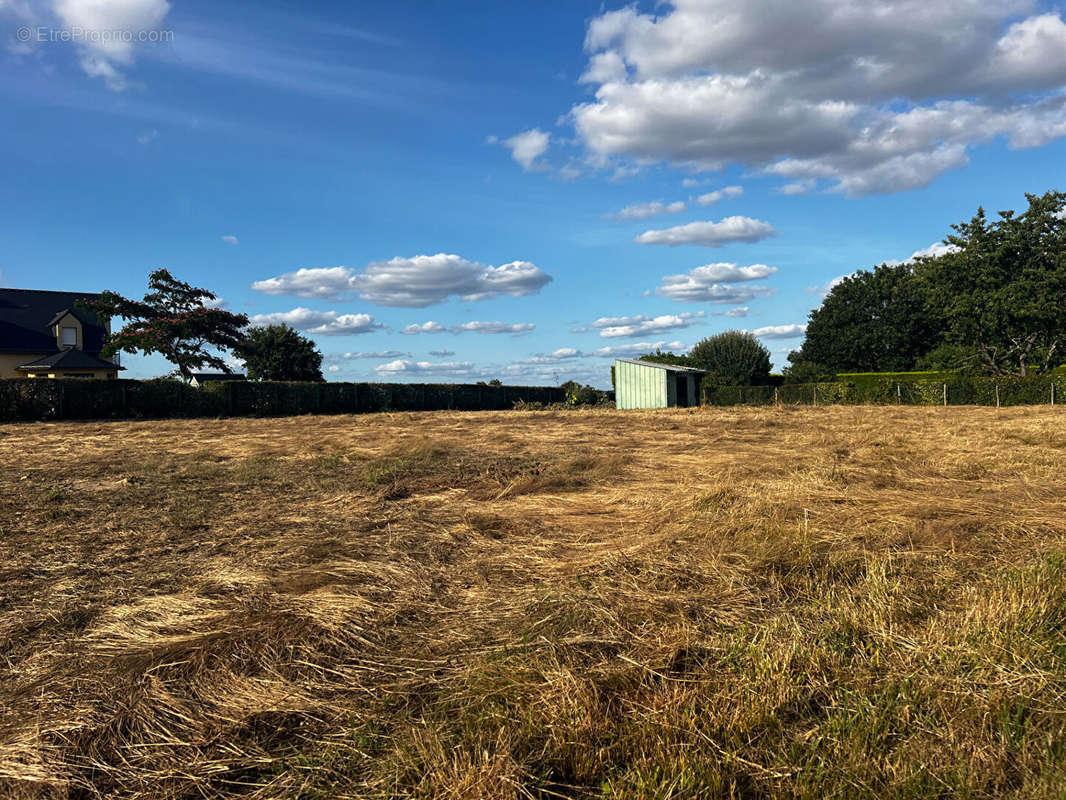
[(950, 358), (577, 395), (801, 371), (732, 358)]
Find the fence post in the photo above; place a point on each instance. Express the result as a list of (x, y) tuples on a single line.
[(814, 394), (776, 401), (1052, 394), (945, 394), (899, 394), (997, 395)]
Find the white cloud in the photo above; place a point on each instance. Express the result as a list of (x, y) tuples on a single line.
[(562, 354), (735, 313), (109, 29), (328, 323), (442, 353), (425, 327), (712, 283), (365, 354), (321, 282), (407, 367), (799, 187), (647, 210), (528, 146), (604, 67), (935, 250), (493, 327), (334, 368), (780, 331), (413, 282), (470, 327), (710, 233), (230, 240), (642, 325), (639, 348), (718, 195), (147, 137), (866, 100), (724, 272), (824, 290), (568, 354)]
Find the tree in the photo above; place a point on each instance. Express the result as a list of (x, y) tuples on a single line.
[(800, 370), (669, 357), (873, 321), (732, 358), (1003, 289), (173, 320), (280, 353)]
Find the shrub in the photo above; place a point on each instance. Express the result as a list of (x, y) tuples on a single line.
[(279, 353), (732, 358)]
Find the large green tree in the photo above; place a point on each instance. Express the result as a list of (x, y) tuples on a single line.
[(1002, 292), (175, 320), (733, 358), (873, 321), (280, 353)]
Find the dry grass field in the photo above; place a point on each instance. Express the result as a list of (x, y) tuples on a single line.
[(843, 602)]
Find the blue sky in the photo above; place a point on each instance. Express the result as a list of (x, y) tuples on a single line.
[(521, 150)]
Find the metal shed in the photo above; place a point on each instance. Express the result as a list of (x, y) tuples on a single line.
[(645, 384)]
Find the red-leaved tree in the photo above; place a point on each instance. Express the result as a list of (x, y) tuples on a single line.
[(175, 320)]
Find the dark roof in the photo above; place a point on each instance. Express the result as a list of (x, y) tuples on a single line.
[(202, 377), (26, 316), (670, 367), (69, 359)]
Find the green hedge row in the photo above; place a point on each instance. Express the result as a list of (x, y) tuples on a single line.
[(960, 390), (30, 399)]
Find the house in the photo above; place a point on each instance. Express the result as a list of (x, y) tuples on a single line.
[(200, 378), (646, 384), (44, 334)]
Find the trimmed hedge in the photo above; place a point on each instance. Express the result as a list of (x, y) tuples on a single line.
[(961, 390), (38, 399)]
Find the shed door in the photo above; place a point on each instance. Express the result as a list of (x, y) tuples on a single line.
[(682, 390)]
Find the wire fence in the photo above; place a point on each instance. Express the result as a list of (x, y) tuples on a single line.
[(961, 391)]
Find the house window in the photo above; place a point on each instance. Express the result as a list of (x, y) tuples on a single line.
[(70, 337)]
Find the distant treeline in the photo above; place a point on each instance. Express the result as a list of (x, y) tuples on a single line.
[(988, 301), (36, 399)]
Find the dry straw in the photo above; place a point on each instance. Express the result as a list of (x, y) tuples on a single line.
[(827, 602)]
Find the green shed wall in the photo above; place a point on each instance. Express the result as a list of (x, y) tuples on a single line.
[(637, 386)]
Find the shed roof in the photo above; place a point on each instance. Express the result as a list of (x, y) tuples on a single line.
[(667, 367)]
